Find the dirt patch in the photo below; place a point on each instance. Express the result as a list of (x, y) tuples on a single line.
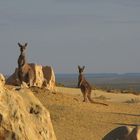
[(74, 120)]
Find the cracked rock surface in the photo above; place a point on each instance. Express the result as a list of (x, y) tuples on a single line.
[(22, 116)]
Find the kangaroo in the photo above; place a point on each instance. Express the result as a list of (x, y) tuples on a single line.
[(85, 87), (25, 72)]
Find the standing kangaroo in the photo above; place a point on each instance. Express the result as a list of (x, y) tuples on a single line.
[(85, 87), (25, 72)]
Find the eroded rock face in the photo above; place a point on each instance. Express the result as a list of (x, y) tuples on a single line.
[(49, 77), (135, 134), (2, 82), (119, 133), (23, 117), (44, 77)]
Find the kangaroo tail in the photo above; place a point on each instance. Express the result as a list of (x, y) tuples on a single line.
[(97, 102)]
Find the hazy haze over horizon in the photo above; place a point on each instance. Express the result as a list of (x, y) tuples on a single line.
[(102, 35)]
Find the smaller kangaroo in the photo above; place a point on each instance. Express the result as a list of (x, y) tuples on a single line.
[(85, 87), (25, 72)]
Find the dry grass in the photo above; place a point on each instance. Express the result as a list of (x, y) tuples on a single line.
[(102, 97), (133, 101), (74, 120)]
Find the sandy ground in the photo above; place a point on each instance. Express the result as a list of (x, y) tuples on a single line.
[(111, 97), (74, 120)]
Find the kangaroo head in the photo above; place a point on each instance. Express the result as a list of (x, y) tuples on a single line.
[(22, 47), (81, 69)]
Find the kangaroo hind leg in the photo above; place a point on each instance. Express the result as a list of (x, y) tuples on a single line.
[(20, 76), (85, 97)]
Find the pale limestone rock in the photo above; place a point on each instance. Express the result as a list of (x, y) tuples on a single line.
[(135, 134), (49, 77), (23, 117), (39, 77), (24, 85), (123, 133), (119, 133), (13, 79), (2, 80), (44, 77)]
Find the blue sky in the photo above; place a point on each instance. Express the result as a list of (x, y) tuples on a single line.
[(103, 35)]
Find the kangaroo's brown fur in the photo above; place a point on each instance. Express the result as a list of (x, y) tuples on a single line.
[(85, 87), (25, 72)]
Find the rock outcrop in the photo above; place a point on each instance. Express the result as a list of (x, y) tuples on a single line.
[(2, 81), (44, 77), (49, 77), (22, 116), (135, 134), (123, 133)]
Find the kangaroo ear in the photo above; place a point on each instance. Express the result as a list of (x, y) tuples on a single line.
[(83, 67), (26, 44), (79, 67), (19, 45)]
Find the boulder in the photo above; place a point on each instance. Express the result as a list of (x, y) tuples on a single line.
[(135, 134), (123, 133), (23, 117), (119, 133), (39, 77), (13, 79), (44, 77), (2, 82), (49, 77)]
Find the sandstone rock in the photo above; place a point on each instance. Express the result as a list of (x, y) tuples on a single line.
[(13, 79), (39, 77), (24, 85), (44, 77), (135, 134), (119, 133), (123, 133), (2, 82), (49, 77), (23, 117)]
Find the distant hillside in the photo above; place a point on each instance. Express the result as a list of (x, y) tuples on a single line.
[(107, 81)]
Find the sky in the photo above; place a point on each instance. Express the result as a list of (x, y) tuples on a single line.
[(103, 35)]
